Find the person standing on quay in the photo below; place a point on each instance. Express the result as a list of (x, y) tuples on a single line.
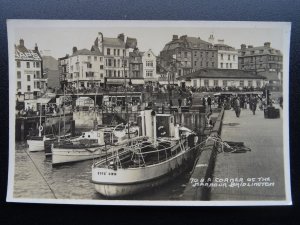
[(237, 106), (253, 104), (179, 101), (209, 103)]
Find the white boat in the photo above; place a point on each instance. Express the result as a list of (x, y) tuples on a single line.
[(36, 143), (89, 145), (164, 151)]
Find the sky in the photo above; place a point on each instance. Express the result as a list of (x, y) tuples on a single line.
[(60, 36)]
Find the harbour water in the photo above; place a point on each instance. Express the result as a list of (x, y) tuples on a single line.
[(35, 178)]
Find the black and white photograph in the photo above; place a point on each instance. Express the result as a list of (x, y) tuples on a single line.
[(181, 113)]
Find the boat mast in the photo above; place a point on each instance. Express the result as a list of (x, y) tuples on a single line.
[(64, 111), (40, 132), (126, 103)]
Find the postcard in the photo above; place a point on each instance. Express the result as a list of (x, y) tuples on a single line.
[(168, 113)]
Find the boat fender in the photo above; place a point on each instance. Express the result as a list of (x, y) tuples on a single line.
[(41, 128)]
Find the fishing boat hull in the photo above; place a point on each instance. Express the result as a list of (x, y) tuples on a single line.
[(122, 182), (35, 145), (62, 155)]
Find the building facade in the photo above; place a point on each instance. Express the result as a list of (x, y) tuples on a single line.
[(63, 67), (86, 68), (186, 54), (227, 56), (135, 64), (260, 59), (149, 67), (29, 72)]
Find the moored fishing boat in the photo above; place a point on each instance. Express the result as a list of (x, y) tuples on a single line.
[(162, 152), (89, 145)]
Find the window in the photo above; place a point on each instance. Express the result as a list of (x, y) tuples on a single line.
[(250, 83), (19, 74), (230, 65), (212, 64), (118, 73), (185, 54), (28, 77), (115, 51), (89, 65), (228, 57), (101, 67), (258, 83), (109, 62), (221, 65), (115, 73), (233, 57), (195, 54), (149, 73), (108, 51), (125, 63), (206, 83), (37, 64), (38, 75), (225, 83), (195, 63), (212, 54), (216, 83), (221, 56), (261, 51), (38, 85), (89, 58), (252, 52), (28, 64), (241, 83), (18, 64), (115, 63), (226, 65), (124, 52), (19, 85), (28, 88), (118, 51), (95, 58), (109, 73), (195, 83), (206, 64), (149, 63)]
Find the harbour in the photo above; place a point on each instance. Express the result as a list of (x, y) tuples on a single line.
[(125, 124)]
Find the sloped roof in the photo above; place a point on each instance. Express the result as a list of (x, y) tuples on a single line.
[(113, 42), (86, 52), (275, 51), (221, 73), (22, 53), (224, 47)]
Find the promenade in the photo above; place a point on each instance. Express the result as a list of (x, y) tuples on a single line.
[(265, 160)]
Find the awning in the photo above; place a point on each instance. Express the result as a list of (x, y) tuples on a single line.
[(43, 100)]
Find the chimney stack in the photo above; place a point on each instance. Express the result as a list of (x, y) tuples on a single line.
[(243, 46), (74, 49), (250, 46), (36, 48), (175, 37), (21, 42), (121, 37), (267, 44)]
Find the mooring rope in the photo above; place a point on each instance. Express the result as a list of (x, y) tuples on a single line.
[(52, 191)]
